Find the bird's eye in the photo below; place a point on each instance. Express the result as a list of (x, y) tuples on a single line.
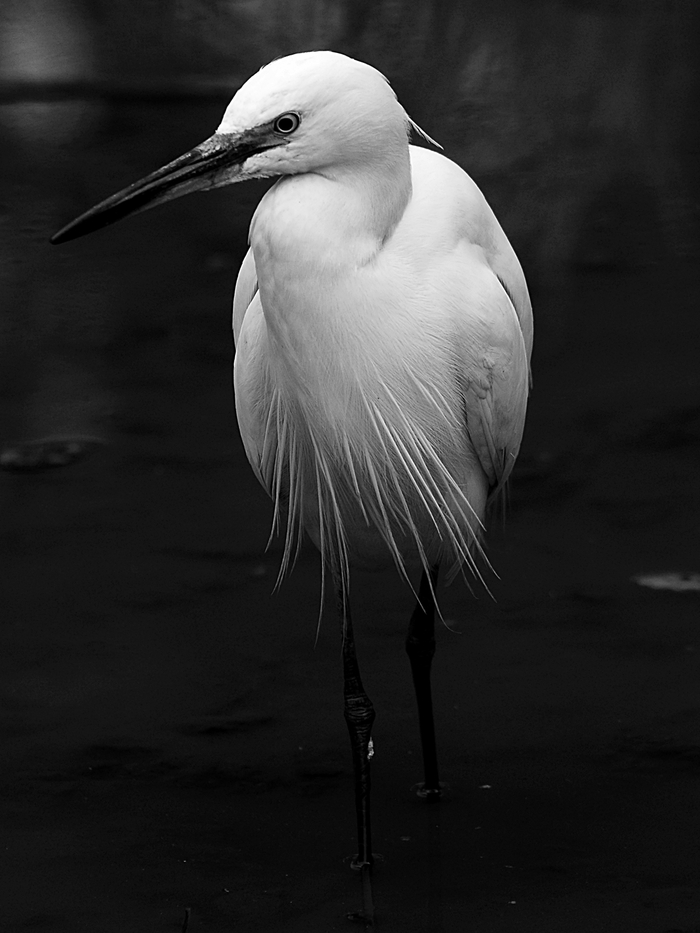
[(287, 123)]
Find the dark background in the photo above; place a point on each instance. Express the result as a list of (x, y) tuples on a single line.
[(171, 735)]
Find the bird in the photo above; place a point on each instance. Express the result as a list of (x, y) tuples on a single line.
[(383, 335)]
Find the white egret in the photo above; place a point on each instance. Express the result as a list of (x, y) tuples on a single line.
[(383, 334)]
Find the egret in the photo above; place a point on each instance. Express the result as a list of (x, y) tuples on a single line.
[(383, 334)]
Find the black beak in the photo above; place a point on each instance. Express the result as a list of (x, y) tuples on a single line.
[(213, 163)]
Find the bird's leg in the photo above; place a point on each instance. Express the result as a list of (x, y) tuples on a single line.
[(420, 647), (359, 715)]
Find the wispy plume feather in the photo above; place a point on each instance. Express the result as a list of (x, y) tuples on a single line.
[(390, 476)]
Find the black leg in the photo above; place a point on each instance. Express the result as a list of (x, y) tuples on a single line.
[(359, 715), (420, 647)]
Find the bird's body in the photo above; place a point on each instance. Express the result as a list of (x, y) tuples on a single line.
[(383, 334), (381, 376)]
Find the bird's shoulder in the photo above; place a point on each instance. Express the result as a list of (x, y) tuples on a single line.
[(449, 212), (449, 200)]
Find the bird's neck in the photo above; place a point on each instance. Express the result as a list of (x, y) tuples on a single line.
[(315, 238), (341, 215), (371, 202)]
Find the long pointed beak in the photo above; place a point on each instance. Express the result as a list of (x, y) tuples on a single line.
[(215, 162)]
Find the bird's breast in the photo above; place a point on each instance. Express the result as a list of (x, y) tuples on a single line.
[(358, 418)]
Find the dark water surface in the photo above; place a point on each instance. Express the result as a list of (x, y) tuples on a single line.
[(171, 736)]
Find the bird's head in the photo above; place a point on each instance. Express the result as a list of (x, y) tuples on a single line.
[(313, 112), (310, 112)]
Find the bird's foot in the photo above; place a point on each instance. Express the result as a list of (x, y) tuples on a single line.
[(431, 793), (357, 864)]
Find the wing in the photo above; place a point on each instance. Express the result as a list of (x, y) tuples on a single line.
[(496, 329), (245, 291), (449, 207), (248, 333), (495, 378), (504, 263)]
